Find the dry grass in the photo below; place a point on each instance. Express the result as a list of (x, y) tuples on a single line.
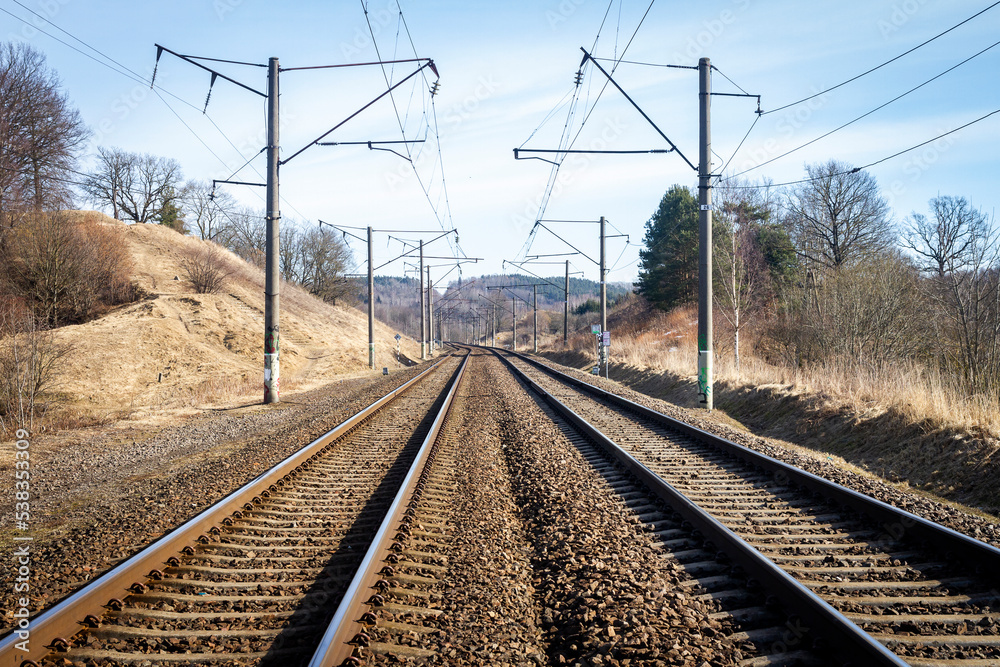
[(668, 344), (902, 422)]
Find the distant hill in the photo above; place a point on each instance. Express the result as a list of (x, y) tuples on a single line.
[(397, 299)]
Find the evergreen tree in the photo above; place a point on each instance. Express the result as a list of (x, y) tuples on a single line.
[(668, 275)]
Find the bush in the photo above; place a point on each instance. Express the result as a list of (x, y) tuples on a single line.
[(29, 366), (65, 268), (206, 269)]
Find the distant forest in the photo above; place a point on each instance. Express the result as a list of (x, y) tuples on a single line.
[(397, 299)]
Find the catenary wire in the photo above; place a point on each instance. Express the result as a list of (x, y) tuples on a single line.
[(868, 113), (891, 60)]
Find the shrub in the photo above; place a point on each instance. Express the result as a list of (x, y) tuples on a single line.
[(67, 269), (206, 269), (29, 366)]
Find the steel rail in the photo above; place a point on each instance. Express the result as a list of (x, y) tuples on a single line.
[(52, 628), (898, 524), (345, 636), (831, 632)]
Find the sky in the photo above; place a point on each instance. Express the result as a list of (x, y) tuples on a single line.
[(507, 74)]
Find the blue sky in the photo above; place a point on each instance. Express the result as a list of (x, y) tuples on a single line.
[(504, 67)]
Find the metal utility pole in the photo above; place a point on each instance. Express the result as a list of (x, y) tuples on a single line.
[(566, 309), (705, 233), (534, 305), (513, 323), (430, 311), (272, 279), (423, 305), (604, 301), (604, 284), (371, 301), (493, 328)]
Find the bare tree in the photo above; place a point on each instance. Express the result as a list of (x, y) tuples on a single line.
[(838, 216), (137, 188), (30, 360), (325, 258), (206, 268), (290, 251), (245, 234), (959, 248), (206, 210), (66, 269), (742, 274), (41, 134), (946, 241)]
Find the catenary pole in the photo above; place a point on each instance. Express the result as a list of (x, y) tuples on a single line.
[(604, 283), (513, 323), (423, 308), (534, 320), (371, 301), (272, 279), (604, 295), (430, 311), (566, 309), (705, 233)]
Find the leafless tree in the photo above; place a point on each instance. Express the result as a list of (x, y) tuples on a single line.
[(290, 251), (137, 188), (41, 134), (66, 269), (946, 241), (30, 360), (206, 268), (742, 278), (325, 258), (245, 234), (206, 210), (838, 216), (959, 248)]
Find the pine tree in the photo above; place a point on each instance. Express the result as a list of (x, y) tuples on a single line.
[(668, 275)]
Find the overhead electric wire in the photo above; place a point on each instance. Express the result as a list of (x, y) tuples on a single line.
[(131, 74), (891, 60), (554, 172), (437, 135), (742, 141), (889, 157), (878, 108)]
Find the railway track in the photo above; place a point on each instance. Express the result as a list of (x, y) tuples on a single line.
[(345, 555), (256, 577), (924, 592)]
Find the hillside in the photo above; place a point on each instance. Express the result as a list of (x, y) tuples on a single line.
[(178, 350)]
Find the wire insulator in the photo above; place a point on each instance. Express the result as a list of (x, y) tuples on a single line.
[(579, 77)]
